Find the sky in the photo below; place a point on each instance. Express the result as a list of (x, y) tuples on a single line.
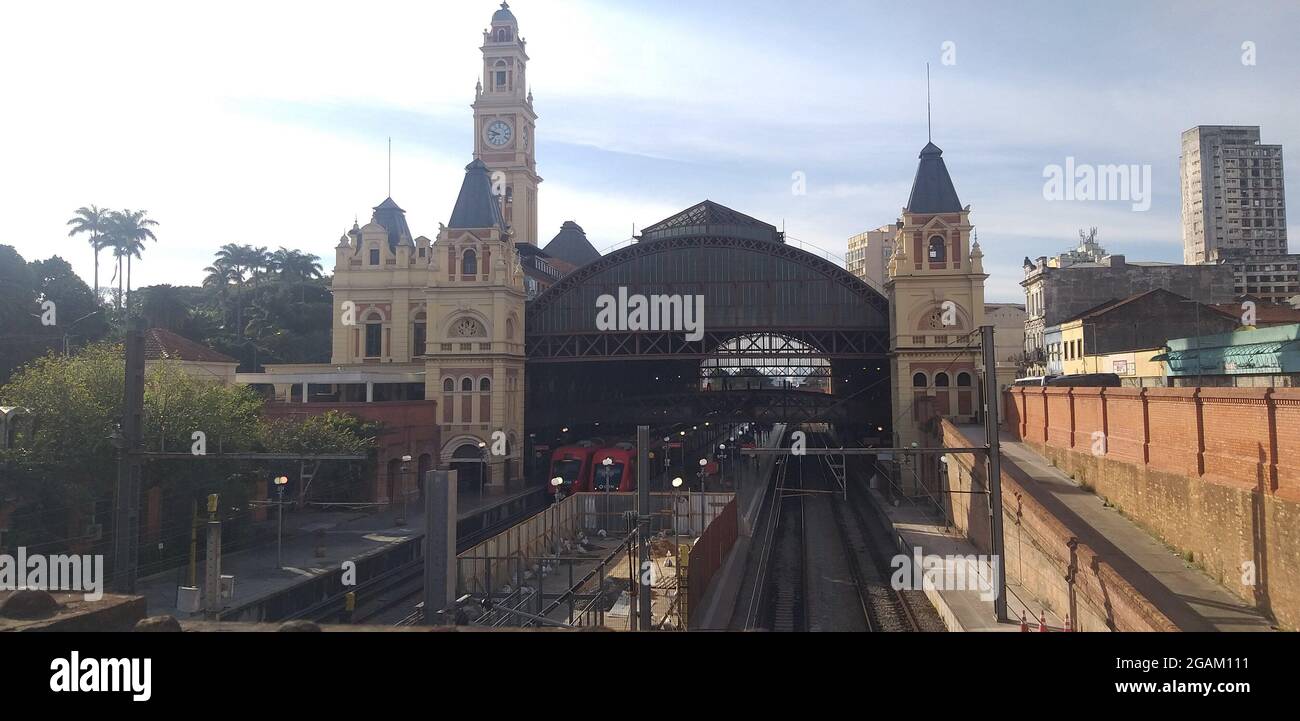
[(267, 123)]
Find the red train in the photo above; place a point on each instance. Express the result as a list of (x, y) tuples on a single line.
[(573, 464), (619, 475)]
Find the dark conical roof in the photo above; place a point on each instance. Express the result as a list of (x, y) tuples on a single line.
[(571, 244), (932, 190), (393, 219), (476, 207)]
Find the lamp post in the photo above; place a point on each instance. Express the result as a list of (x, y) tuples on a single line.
[(406, 495), (558, 484), (607, 467), (668, 451), (483, 473), (280, 483), (677, 554), (722, 464), (67, 335)]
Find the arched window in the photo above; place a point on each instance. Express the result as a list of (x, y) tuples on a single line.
[(448, 385), (467, 385), (469, 263), (510, 328), (941, 380), (963, 380), (485, 385), (938, 253), (918, 380)]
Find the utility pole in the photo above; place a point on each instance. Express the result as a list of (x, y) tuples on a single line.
[(439, 542), (126, 507), (994, 469), (212, 565), (643, 522)]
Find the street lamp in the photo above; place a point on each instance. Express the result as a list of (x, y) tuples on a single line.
[(401, 521), (280, 483), (482, 476), (677, 483), (608, 464), (703, 462), (722, 464), (558, 484), (668, 452)]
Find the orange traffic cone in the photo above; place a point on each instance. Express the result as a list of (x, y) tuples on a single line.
[(1069, 627), (1042, 621), (1024, 625)]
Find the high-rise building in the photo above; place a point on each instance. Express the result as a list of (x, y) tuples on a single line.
[(1234, 200), (868, 255)]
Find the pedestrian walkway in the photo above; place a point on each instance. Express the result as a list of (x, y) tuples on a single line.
[(1184, 593), (315, 542)]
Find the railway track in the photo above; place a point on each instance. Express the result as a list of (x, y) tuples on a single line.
[(884, 608), (782, 592), (778, 585)]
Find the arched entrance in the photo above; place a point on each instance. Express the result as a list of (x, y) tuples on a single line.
[(467, 461)]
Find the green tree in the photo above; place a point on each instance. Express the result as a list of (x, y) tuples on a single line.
[(127, 231), (91, 220)]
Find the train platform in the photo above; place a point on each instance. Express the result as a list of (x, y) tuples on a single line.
[(316, 540), (918, 530)]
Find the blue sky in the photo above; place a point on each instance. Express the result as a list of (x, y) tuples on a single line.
[(267, 123)]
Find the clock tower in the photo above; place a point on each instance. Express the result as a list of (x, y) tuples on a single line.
[(504, 124)]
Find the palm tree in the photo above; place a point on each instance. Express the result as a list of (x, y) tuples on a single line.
[(91, 220), (296, 265), (127, 231), (221, 275)]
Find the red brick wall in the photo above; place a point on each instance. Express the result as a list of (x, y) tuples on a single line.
[(1213, 472), (1040, 550), (410, 427)]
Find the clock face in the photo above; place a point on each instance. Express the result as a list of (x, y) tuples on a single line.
[(499, 132)]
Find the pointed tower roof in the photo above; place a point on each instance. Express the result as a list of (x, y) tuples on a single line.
[(571, 245), (476, 207), (932, 190), (393, 218)]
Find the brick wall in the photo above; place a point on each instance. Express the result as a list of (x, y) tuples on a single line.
[(1054, 564), (1212, 472), (410, 428)]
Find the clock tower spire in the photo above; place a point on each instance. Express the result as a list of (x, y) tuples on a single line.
[(504, 124)]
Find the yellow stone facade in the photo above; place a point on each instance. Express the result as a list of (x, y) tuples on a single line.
[(935, 287)]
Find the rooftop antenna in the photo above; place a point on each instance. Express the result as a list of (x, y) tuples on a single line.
[(390, 166), (928, 137)]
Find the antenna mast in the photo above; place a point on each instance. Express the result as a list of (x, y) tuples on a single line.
[(928, 137)]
